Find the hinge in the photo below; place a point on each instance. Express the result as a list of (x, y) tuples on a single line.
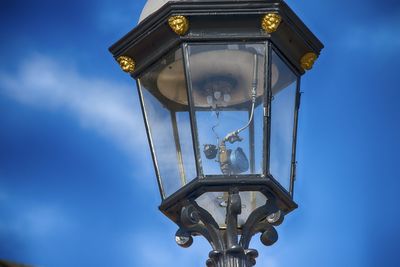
[(299, 99), (294, 170)]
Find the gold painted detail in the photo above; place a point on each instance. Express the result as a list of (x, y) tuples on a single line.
[(127, 64), (179, 24), (307, 61), (271, 22)]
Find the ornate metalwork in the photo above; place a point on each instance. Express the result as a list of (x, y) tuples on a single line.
[(127, 64), (179, 24), (227, 250), (307, 61), (271, 22)]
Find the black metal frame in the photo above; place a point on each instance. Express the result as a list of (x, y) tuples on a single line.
[(267, 118), (224, 21), (293, 172), (172, 205), (267, 109)]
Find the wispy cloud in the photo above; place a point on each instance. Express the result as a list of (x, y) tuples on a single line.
[(381, 34), (109, 108), (37, 220), (42, 221)]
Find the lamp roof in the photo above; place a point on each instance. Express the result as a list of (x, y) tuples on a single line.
[(218, 21), (152, 6)]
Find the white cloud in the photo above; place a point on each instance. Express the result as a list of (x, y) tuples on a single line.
[(108, 107), (38, 221), (44, 221)]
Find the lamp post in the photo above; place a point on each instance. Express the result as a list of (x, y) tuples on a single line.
[(219, 87)]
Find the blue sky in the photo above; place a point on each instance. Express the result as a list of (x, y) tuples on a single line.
[(77, 185)]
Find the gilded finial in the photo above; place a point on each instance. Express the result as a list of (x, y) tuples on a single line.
[(127, 64), (307, 61), (179, 24), (271, 22)]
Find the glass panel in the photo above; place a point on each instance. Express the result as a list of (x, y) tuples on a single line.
[(250, 201), (227, 83), (186, 143), (216, 202), (167, 116), (284, 88)]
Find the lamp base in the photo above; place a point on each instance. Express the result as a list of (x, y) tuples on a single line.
[(228, 251)]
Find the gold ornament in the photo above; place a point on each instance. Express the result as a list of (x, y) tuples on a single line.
[(179, 24), (271, 22), (127, 64), (307, 61)]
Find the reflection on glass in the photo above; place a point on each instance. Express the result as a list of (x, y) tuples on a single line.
[(282, 121), (227, 85), (169, 122), (186, 146), (216, 202)]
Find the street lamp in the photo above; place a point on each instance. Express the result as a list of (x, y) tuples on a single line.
[(219, 87)]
